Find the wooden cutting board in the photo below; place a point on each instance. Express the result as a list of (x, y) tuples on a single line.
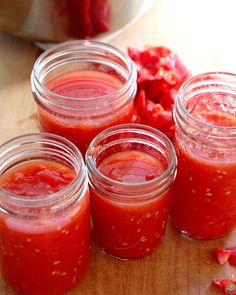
[(202, 33)]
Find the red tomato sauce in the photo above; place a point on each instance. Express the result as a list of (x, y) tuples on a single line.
[(79, 126), (123, 228), (46, 255), (87, 18), (204, 192), (37, 179)]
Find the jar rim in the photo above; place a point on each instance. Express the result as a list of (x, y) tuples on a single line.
[(180, 105), (53, 198), (142, 129), (83, 46)]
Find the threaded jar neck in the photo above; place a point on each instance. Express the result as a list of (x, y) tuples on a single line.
[(131, 137), (48, 147), (203, 98), (75, 56)]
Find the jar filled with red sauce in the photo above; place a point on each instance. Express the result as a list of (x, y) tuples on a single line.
[(81, 88), (44, 215), (131, 168), (204, 194)]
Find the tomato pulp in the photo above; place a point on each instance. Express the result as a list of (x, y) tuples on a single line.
[(129, 228), (204, 193), (78, 123), (47, 254)]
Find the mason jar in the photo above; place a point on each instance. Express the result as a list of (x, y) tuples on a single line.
[(131, 168), (81, 88), (44, 214), (204, 193)]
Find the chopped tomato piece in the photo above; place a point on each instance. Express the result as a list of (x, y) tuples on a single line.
[(224, 255), (227, 285), (160, 74), (232, 258)]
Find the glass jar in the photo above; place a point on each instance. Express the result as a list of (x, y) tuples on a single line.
[(131, 168), (204, 194), (44, 238), (81, 88)]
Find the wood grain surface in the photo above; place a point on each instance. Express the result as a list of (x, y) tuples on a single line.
[(202, 33)]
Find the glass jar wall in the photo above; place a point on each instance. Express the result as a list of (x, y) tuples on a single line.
[(81, 88), (44, 214), (131, 169), (204, 194)]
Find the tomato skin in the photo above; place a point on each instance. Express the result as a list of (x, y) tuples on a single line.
[(232, 258), (222, 255), (160, 75), (148, 113), (226, 254), (87, 18), (226, 285), (100, 15), (164, 122)]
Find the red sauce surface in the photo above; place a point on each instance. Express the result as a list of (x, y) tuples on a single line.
[(130, 229), (37, 179), (85, 84), (204, 193), (78, 126), (46, 255), (131, 167)]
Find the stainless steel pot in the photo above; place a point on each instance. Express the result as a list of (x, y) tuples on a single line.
[(50, 20)]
